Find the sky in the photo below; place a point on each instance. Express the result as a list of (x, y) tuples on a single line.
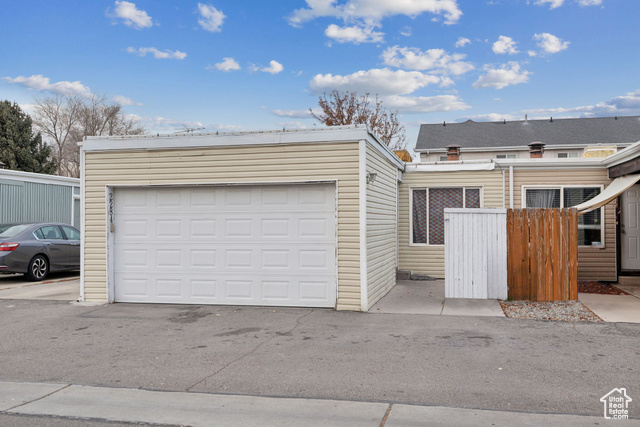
[(234, 65)]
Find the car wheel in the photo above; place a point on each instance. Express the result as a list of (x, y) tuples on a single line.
[(38, 268)]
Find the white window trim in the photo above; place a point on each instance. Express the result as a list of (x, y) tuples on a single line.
[(561, 188), (422, 187)]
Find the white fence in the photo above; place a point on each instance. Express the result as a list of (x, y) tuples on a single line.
[(475, 253)]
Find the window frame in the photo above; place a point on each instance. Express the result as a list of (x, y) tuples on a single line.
[(422, 187), (506, 156), (523, 202)]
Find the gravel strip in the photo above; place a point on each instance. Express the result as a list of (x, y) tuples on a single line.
[(566, 311)]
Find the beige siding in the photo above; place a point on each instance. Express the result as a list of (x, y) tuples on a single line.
[(594, 263), (246, 164), (381, 226), (429, 260)]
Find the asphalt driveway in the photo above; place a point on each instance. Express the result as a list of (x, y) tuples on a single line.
[(58, 287), (475, 362)]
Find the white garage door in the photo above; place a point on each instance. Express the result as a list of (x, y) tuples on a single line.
[(248, 245)]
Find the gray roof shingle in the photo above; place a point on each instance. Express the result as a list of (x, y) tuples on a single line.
[(583, 131)]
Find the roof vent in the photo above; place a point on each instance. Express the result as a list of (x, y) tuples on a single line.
[(616, 117), (551, 121), (504, 121), (444, 123)]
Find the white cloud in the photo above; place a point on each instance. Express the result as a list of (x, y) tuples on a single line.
[(435, 60), (550, 43), (532, 53), (274, 67), (628, 104), (462, 42), (159, 124), (374, 11), (158, 54), (503, 45), (490, 117), (227, 64), (291, 125), (354, 34), (377, 81), (123, 100), (132, 16), (552, 3), (39, 83), (295, 114), (425, 104), (498, 78), (589, 2), (211, 19), (406, 31)]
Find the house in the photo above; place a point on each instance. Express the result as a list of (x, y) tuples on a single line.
[(34, 197), (537, 180), (287, 218), (563, 138)]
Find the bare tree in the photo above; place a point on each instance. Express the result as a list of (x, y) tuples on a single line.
[(347, 108), (56, 117), (65, 121)]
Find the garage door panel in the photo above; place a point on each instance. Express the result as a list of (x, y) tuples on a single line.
[(258, 245)]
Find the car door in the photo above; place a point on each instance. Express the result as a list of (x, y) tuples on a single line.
[(73, 237), (55, 245)]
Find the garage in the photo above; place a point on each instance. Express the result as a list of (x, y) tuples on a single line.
[(295, 218), (239, 245)]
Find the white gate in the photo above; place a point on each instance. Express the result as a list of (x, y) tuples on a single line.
[(475, 248)]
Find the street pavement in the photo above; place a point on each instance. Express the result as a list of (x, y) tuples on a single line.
[(478, 363)]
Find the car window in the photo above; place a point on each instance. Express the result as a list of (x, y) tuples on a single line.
[(71, 233), (38, 234), (52, 232), (7, 230)]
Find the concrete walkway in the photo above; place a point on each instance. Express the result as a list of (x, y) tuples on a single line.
[(416, 297), (204, 409), (613, 308)]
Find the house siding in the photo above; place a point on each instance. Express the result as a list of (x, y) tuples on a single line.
[(381, 226), (217, 165), (594, 263), (429, 260)]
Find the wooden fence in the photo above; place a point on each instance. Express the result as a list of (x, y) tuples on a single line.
[(542, 254)]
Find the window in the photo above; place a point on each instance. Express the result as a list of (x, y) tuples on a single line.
[(506, 156), (51, 232), (428, 210), (567, 155), (589, 225), (443, 158), (8, 231), (71, 233)]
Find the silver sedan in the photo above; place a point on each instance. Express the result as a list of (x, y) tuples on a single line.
[(38, 249)]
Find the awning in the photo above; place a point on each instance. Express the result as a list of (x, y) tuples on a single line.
[(617, 187)]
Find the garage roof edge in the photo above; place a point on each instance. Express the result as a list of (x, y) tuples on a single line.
[(351, 133)]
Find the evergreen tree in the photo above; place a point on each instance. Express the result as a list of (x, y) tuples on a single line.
[(20, 148)]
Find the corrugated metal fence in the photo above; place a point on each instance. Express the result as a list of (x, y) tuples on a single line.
[(475, 253), (35, 202)]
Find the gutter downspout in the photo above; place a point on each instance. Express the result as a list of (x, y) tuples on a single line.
[(510, 187)]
